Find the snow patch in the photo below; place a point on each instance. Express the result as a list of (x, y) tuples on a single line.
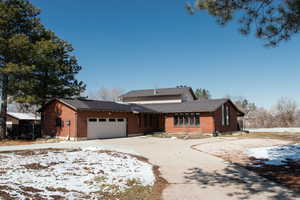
[(274, 130), (81, 172), (277, 155)]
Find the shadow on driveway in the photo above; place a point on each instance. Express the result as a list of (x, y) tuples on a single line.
[(249, 184)]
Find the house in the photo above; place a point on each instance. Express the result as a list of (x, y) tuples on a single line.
[(21, 118), (173, 110)]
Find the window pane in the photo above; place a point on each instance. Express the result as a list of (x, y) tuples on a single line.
[(102, 120), (140, 121), (93, 120), (150, 120), (222, 115), (112, 120), (120, 120), (197, 121), (186, 120), (227, 115), (145, 120), (192, 120), (181, 120), (175, 120)]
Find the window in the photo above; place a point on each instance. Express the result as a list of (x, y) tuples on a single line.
[(93, 120), (186, 120), (192, 120), (150, 120), (112, 120), (58, 122), (176, 120), (223, 115), (120, 120), (227, 115), (102, 120), (140, 121), (145, 120), (197, 119), (181, 120), (157, 119)]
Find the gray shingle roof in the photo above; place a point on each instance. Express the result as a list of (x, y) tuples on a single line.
[(210, 105), (80, 104), (158, 92)]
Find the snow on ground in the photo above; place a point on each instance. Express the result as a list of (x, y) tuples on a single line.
[(72, 174), (277, 155), (274, 130)]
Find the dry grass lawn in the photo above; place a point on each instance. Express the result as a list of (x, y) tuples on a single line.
[(8, 142), (287, 175), (292, 137)]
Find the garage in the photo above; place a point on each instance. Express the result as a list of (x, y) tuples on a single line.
[(99, 128), (81, 119)]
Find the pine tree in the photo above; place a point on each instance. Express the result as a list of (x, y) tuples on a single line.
[(18, 23), (35, 65), (202, 93), (273, 21), (53, 74)]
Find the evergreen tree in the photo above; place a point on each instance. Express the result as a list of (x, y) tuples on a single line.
[(202, 93), (18, 24), (53, 74), (35, 64), (273, 20)]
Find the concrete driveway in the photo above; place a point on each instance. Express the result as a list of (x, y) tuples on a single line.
[(193, 175)]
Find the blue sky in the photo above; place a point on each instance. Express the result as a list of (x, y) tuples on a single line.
[(138, 44)]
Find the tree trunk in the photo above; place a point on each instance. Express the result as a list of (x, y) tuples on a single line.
[(4, 80)]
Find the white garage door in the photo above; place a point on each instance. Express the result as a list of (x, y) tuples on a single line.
[(106, 128)]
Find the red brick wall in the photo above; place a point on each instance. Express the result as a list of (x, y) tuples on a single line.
[(54, 110), (206, 124), (233, 123)]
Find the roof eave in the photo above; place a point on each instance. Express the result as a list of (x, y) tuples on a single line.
[(124, 111)]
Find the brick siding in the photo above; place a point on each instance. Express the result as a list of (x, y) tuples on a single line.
[(206, 124)]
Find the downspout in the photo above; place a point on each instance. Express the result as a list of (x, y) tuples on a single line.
[(69, 132), (76, 122)]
